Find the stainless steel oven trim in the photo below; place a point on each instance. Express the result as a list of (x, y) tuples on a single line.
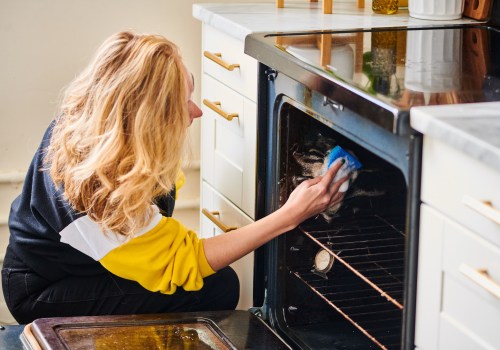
[(386, 116)]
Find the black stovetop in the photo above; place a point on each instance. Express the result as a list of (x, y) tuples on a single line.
[(406, 67), (391, 69)]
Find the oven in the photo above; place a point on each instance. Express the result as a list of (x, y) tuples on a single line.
[(346, 279), (358, 302)]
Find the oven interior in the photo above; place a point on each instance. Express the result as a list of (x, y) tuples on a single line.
[(358, 303)]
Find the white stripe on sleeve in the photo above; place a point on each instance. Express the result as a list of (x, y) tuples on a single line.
[(85, 235)]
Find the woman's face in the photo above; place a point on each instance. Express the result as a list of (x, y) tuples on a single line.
[(193, 109)]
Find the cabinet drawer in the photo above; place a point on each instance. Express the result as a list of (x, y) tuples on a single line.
[(228, 148), (229, 216), (462, 188), (242, 79), (453, 311), (228, 213), (469, 302)]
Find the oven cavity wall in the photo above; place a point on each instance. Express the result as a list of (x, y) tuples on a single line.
[(228, 144)]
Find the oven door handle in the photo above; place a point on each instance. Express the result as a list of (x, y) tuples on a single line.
[(216, 57), (215, 106), (211, 216)]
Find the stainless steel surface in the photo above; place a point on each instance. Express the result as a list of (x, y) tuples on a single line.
[(380, 74)]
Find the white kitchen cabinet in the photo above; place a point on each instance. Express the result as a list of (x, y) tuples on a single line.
[(228, 144), (228, 131), (458, 287)]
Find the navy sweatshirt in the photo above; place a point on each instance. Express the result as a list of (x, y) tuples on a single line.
[(38, 216)]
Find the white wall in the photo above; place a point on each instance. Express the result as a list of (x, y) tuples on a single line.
[(45, 43)]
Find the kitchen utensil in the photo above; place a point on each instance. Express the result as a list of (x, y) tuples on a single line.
[(479, 10)]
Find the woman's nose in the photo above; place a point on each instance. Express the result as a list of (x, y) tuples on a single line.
[(197, 111), (194, 111)]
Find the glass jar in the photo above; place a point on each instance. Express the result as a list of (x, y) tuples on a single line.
[(385, 7), (383, 51)]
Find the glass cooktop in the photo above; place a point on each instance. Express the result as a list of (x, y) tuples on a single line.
[(402, 67)]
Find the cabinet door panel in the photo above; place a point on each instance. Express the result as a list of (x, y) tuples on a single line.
[(465, 301), (468, 314), (229, 147), (242, 79), (230, 216), (456, 338), (456, 184), (429, 278)]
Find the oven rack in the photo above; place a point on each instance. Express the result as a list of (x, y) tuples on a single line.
[(372, 247), (362, 306)]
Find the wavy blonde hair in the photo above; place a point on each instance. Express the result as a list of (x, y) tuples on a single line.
[(120, 135)]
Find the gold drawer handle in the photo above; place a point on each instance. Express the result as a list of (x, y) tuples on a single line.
[(481, 278), (484, 208), (216, 57), (215, 106), (211, 216)]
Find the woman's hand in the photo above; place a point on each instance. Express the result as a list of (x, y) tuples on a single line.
[(310, 198), (314, 196)]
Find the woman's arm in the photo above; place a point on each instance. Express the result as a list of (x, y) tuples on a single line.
[(310, 198)]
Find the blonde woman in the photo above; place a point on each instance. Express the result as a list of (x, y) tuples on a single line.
[(92, 232)]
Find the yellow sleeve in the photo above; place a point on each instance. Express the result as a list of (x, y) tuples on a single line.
[(165, 258)]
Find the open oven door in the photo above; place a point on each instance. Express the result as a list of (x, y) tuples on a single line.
[(224, 330)]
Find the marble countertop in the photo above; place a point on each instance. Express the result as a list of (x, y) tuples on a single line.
[(241, 19), (471, 128)]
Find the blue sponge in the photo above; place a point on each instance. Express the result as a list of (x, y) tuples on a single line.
[(338, 152), (348, 168)]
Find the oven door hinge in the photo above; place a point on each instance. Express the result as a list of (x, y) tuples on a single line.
[(271, 74), (333, 104), (261, 311)]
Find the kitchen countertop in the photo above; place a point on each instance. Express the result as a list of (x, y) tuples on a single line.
[(471, 128), (239, 20)]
